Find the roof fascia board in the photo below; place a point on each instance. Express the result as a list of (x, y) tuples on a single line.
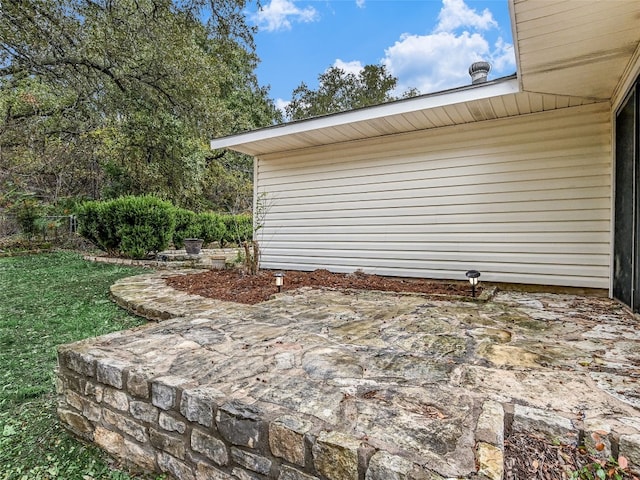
[(514, 34), (496, 88), (627, 78)]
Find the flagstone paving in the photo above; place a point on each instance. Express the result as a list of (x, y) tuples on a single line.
[(323, 384)]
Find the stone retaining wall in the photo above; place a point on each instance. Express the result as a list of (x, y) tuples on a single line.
[(197, 262), (168, 425), (318, 384)]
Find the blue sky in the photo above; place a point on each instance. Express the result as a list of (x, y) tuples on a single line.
[(426, 44)]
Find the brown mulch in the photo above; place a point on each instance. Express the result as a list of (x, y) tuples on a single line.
[(530, 457), (237, 286)]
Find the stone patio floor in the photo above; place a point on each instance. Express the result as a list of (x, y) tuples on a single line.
[(379, 385)]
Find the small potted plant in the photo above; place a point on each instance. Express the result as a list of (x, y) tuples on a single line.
[(193, 241)]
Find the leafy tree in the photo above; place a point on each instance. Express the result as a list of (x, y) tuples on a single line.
[(106, 98), (340, 91)]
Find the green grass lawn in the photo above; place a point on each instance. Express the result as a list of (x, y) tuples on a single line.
[(47, 300)]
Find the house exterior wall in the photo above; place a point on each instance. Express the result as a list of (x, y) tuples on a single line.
[(525, 200)]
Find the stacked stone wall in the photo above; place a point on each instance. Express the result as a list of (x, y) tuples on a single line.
[(116, 391), (168, 424)]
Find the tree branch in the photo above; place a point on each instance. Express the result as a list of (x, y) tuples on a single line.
[(57, 62)]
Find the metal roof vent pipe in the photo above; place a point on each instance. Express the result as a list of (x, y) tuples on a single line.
[(479, 72)]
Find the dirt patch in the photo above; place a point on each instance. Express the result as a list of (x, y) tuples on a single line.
[(237, 286), (530, 457)]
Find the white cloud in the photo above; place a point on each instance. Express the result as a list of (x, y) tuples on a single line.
[(354, 66), (360, 3), (440, 60), (279, 14), (503, 57), (434, 62), (282, 104), (456, 13)]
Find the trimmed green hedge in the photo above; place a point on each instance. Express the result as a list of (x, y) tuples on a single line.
[(185, 219), (239, 228), (134, 226), (129, 226), (212, 227), (94, 224)]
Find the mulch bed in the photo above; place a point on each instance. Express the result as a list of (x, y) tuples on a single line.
[(237, 286)]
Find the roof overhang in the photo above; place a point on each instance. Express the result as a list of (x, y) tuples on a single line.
[(568, 53), (488, 101), (360, 123), (576, 48)]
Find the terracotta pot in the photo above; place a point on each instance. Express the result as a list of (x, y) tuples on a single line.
[(193, 245)]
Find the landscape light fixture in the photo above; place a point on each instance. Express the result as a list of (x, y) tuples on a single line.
[(279, 280), (473, 275)]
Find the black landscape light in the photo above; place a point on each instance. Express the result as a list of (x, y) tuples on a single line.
[(473, 275), (279, 280)]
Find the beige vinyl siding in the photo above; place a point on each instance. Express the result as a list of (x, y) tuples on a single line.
[(525, 199)]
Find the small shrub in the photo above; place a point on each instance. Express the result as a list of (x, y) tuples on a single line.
[(239, 228), (228, 226), (48, 227), (96, 224), (132, 226), (28, 213), (194, 231), (184, 223), (212, 227), (144, 224), (137, 240)]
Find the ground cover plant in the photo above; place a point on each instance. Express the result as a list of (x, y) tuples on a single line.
[(47, 300)]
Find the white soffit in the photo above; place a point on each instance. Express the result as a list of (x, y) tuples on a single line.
[(497, 99), (569, 53), (575, 47)]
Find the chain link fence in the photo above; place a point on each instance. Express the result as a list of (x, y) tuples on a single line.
[(49, 226)]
